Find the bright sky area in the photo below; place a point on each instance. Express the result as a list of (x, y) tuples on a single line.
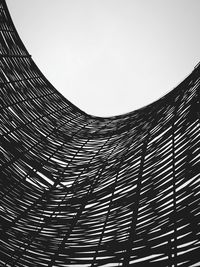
[(110, 57)]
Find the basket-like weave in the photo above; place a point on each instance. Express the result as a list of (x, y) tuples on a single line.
[(79, 190)]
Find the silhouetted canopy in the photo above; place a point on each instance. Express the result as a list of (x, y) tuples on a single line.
[(79, 190)]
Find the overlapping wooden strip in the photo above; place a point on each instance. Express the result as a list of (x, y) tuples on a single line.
[(79, 190)]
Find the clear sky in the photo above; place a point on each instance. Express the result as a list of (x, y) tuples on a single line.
[(111, 56)]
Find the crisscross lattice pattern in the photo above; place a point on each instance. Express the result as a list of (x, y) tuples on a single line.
[(79, 190)]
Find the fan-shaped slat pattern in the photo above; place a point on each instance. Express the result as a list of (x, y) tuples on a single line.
[(78, 190)]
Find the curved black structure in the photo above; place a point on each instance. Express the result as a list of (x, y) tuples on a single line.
[(79, 190)]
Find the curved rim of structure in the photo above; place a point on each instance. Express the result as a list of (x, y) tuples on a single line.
[(159, 99)]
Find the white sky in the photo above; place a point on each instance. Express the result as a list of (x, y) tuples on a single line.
[(111, 56)]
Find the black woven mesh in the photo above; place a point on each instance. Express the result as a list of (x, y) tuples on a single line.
[(79, 190)]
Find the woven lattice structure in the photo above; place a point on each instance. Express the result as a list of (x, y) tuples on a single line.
[(79, 190)]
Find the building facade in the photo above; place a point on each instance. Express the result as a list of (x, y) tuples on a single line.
[(79, 190)]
